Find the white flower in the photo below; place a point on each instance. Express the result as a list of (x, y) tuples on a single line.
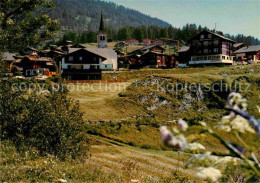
[(182, 142), (195, 146), (225, 128), (228, 159), (241, 124), (237, 102), (169, 139), (182, 124), (210, 173)]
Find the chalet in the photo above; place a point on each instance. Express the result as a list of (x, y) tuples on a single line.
[(8, 60), (183, 55), (132, 42), (81, 64), (210, 48), (248, 53), (153, 55), (147, 42), (158, 42), (34, 65), (237, 46)]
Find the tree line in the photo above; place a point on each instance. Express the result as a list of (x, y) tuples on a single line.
[(183, 34)]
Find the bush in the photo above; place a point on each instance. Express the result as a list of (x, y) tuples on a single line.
[(51, 122)]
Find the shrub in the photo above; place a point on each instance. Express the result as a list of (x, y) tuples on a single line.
[(50, 122)]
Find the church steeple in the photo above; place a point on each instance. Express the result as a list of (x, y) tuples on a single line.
[(102, 36), (101, 26)]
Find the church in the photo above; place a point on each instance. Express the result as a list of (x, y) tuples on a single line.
[(81, 63)]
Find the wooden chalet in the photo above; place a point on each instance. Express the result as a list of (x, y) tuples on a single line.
[(184, 55), (248, 53), (81, 64), (147, 42), (131, 42), (34, 65), (211, 48), (153, 56)]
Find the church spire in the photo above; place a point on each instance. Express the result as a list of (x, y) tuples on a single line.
[(101, 26)]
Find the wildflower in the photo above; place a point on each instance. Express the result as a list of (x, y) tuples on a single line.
[(240, 124), (210, 173), (182, 124), (169, 139), (195, 146), (237, 102), (182, 142), (227, 159)]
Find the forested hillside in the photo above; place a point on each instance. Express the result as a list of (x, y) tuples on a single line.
[(84, 15)]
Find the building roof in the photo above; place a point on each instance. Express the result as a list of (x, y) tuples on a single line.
[(245, 49), (8, 56), (237, 44), (184, 49), (108, 53), (39, 59), (223, 37), (101, 26), (147, 48)]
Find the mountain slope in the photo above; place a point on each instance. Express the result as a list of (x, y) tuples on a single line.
[(84, 15)]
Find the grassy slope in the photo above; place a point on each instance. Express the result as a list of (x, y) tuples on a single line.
[(129, 146)]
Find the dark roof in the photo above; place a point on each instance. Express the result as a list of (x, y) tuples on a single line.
[(218, 35), (223, 37), (184, 49), (39, 59), (72, 50), (237, 44), (101, 26), (245, 49), (147, 48)]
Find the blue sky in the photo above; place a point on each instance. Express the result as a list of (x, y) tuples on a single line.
[(231, 16)]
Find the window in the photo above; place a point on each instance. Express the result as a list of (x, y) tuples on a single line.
[(215, 50), (209, 35), (205, 50), (70, 58), (209, 50), (202, 36), (223, 57), (76, 67), (205, 43), (101, 38), (215, 41), (80, 58)]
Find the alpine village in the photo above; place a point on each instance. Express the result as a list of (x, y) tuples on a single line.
[(97, 91), (87, 62)]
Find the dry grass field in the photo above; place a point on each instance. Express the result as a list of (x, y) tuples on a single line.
[(125, 144)]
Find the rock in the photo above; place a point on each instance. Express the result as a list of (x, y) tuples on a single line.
[(200, 94), (187, 99), (151, 108)]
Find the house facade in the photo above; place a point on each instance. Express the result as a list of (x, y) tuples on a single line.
[(81, 64), (131, 42), (248, 53), (211, 48), (34, 66), (147, 42)]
